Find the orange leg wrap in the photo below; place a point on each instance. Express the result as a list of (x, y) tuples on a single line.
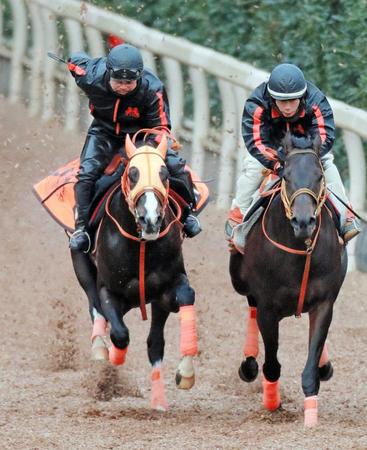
[(158, 397), (251, 347), (99, 327), (189, 338), (324, 356), (311, 411), (271, 394), (117, 356)]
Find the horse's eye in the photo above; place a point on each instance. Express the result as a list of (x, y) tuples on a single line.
[(133, 175), (164, 174)]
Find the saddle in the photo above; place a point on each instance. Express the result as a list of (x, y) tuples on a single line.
[(56, 192)]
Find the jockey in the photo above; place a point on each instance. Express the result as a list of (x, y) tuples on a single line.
[(124, 97), (286, 102)]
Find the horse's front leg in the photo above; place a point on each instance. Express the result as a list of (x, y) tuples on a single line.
[(269, 327), (155, 344), (86, 274), (185, 297), (114, 309), (320, 319)]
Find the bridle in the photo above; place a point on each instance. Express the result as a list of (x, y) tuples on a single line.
[(319, 197), (132, 196)]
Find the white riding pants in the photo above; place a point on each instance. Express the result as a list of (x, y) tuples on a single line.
[(251, 177)]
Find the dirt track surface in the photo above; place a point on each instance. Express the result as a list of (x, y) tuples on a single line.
[(53, 397)]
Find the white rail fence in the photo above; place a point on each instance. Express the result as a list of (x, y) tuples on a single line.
[(36, 29)]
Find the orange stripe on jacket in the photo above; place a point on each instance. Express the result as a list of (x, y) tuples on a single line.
[(116, 109), (266, 151), (162, 114), (320, 122)]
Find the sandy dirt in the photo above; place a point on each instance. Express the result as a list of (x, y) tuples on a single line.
[(53, 397)]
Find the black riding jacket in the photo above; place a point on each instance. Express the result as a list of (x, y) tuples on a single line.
[(144, 107), (263, 127)]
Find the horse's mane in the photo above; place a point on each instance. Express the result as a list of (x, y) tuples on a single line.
[(291, 141)]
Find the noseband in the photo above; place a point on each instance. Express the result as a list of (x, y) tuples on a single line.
[(319, 197)]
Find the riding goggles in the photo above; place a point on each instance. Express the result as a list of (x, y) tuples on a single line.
[(125, 74)]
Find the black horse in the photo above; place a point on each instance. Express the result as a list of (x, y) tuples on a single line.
[(138, 260), (293, 262)]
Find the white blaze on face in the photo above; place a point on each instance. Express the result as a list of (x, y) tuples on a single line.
[(152, 208)]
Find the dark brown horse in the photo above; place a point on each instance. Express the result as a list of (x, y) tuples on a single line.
[(293, 262), (138, 260)]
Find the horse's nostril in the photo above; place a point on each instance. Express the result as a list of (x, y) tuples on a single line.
[(294, 222)]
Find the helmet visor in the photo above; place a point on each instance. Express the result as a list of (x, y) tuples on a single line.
[(125, 74)]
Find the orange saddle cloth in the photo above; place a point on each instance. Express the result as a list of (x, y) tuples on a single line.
[(56, 193)]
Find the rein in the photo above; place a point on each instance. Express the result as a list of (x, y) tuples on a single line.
[(310, 243), (142, 250)]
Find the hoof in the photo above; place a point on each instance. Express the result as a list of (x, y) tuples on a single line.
[(248, 370), (184, 382), (117, 356), (99, 349), (326, 371)]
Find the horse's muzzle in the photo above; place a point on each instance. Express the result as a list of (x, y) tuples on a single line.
[(303, 227), (150, 230)]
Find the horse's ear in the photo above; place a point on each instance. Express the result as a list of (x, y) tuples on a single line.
[(129, 147), (316, 144), (162, 147)]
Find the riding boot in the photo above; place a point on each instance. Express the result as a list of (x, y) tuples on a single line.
[(349, 225), (184, 187), (192, 226), (80, 239), (235, 217)]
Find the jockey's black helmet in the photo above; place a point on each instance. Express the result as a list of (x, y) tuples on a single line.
[(286, 82), (124, 62)]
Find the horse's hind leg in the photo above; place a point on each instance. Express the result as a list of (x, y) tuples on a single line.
[(113, 309), (269, 328), (185, 297), (320, 319), (155, 344), (249, 368), (86, 274)]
